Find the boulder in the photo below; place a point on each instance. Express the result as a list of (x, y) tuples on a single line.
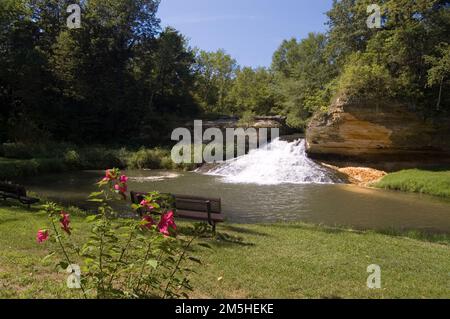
[(373, 132)]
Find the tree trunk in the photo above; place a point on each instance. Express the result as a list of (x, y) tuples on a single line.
[(438, 106)]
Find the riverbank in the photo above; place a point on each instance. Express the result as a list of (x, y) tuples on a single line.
[(284, 260), (357, 175), (19, 160), (435, 183), (430, 182)]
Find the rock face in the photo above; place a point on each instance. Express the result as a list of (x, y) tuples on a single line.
[(258, 122), (367, 132)]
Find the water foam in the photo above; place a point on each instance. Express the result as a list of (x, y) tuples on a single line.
[(280, 162)]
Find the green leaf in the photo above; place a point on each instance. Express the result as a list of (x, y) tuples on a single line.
[(63, 265), (95, 194), (152, 263), (205, 245), (95, 200), (198, 261), (91, 218), (48, 256)]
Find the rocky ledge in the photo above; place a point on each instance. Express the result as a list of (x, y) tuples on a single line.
[(378, 133)]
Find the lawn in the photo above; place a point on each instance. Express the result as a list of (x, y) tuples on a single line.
[(254, 261), (418, 181)]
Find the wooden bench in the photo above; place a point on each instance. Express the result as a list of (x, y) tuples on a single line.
[(16, 192), (192, 207)]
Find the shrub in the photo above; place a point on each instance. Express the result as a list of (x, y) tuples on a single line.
[(17, 150), (167, 163), (148, 159), (364, 77), (14, 168), (97, 157), (72, 159), (131, 258), (247, 119)]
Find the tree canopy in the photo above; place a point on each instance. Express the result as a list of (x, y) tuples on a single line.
[(123, 75)]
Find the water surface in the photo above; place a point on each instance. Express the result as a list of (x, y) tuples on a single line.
[(330, 204)]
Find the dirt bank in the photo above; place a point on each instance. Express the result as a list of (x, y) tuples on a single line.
[(362, 176)]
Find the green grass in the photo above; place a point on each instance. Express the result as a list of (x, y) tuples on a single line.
[(435, 183), (254, 261)]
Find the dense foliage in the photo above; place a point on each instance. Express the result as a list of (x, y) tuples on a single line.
[(119, 71), (123, 73)]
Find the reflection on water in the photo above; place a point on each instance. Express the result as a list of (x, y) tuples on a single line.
[(248, 203)]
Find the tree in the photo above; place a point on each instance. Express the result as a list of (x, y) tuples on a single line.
[(303, 74), (215, 74), (440, 70), (252, 91), (163, 73), (389, 63)]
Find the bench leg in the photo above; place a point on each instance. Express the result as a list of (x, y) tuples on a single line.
[(214, 228)]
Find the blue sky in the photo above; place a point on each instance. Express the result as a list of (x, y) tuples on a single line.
[(249, 30)]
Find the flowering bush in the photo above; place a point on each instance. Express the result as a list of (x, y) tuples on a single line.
[(125, 258)]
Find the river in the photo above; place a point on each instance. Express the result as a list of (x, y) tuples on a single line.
[(271, 184)]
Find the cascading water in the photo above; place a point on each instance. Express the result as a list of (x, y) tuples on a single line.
[(279, 162)]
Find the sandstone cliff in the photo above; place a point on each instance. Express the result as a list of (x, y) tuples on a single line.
[(387, 132)]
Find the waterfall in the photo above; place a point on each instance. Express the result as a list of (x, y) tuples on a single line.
[(279, 162)]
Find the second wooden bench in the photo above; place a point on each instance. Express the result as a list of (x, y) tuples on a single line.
[(192, 207)]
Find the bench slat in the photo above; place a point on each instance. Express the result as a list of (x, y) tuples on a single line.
[(16, 192), (197, 205), (28, 200), (218, 218)]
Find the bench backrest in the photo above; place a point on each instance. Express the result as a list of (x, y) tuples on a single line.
[(189, 203), (197, 204), (13, 189)]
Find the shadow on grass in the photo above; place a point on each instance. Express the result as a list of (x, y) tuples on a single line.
[(317, 227), (426, 236), (219, 238), (242, 230), (16, 206), (430, 236), (224, 240)]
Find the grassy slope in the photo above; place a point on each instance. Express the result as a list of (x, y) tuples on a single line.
[(418, 181), (280, 261)]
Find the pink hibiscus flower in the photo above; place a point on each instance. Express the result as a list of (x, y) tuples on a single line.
[(123, 179), (42, 235), (109, 175), (147, 205), (167, 223), (65, 222)]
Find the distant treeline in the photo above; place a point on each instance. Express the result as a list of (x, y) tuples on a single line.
[(122, 79)]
